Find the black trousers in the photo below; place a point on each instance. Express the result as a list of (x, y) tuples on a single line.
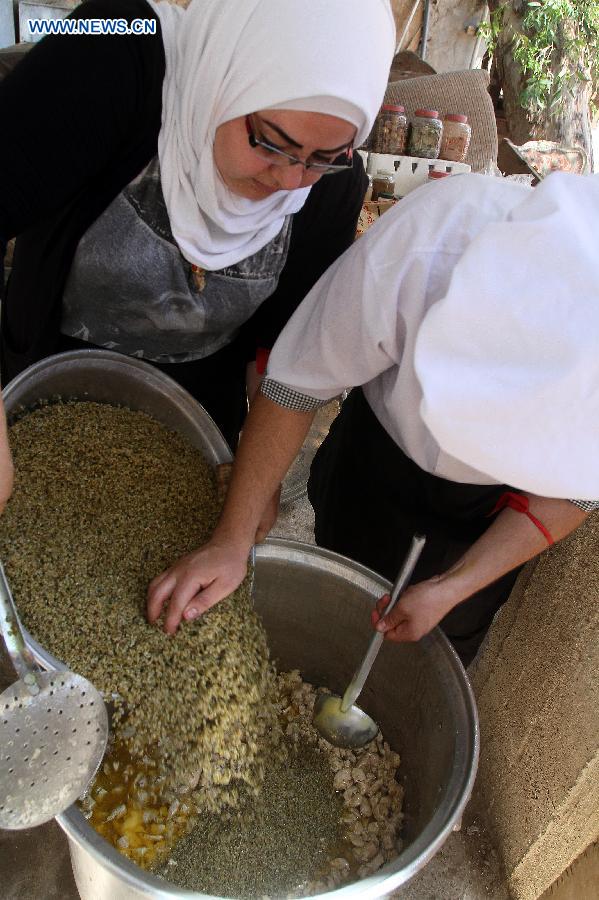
[(369, 499), (217, 382)]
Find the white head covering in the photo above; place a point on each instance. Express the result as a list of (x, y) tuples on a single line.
[(508, 361), (226, 59)]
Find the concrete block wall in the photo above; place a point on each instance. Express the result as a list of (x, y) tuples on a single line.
[(538, 697), (580, 881)]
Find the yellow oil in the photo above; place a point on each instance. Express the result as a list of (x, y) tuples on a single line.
[(127, 806)]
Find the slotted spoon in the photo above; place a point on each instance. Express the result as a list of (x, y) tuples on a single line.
[(53, 732)]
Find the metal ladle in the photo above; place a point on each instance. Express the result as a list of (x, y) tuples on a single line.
[(53, 732), (339, 720)]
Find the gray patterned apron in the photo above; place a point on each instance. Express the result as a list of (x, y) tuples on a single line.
[(130, 289)]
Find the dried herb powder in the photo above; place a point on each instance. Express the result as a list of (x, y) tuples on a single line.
[(325, 817), (277, 844), (106, 498)]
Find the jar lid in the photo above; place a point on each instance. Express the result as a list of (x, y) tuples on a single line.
[(456, 117), (427, 113), (391, 107), (435, 174)]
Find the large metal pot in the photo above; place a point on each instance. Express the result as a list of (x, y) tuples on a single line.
[(315, 607)]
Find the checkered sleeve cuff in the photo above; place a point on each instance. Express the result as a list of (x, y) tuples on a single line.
[(287, 397), (586, 505)]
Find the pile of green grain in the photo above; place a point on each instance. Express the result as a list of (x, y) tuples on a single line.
[(104, 500)]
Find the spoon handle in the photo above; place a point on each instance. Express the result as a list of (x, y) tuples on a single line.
[(10, 628), (355, 686)]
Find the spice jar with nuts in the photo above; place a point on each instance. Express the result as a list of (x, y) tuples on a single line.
[(390, 130), (425, 134), (456, 137), (383, 186)]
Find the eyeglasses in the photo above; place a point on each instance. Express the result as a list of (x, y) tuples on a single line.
[(276, 157)]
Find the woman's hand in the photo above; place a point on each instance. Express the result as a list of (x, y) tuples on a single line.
[(421, 607), (195, 583), (270, 441)]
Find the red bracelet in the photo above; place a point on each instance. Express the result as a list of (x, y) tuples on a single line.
[(520, 504)]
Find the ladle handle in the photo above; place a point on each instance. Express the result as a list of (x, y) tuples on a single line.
[(12, 633), (355, 686)]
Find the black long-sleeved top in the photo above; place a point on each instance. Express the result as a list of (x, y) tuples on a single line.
[(80, 119)]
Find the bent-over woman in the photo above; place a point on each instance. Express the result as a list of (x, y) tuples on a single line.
[(467, 321)]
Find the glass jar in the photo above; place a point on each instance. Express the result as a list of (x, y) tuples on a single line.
[(425, 134), (390, 131), (456, 137)]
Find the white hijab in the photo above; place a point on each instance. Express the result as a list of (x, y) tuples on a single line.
[(226, 59)]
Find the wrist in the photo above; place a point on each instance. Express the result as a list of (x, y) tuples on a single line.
[(451, 587), (237, 540)]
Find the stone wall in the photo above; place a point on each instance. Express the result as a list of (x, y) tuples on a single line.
[(538, 698)]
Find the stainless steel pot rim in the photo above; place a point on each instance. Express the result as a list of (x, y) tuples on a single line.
[(117, 361), (93, 355)]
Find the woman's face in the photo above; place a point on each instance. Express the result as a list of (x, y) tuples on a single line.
[(248, 172)]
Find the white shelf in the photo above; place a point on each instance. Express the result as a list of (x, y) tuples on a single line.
[(410, 172)]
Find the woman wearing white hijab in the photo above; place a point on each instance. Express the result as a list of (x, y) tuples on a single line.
[(164, 186), (469, 318)]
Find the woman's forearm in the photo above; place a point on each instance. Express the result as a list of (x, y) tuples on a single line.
[(271, 438), (510, 541)]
